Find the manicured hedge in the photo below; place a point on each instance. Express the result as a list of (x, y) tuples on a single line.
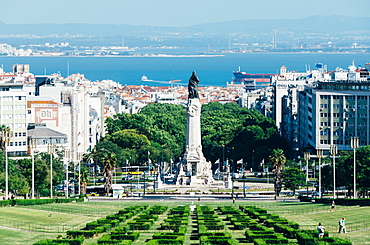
[(139, 226), (128, 236), (106, 239), (121, 229), (27, 202), (336, 241), (164, 241), (77, 241), (84, 233), (156, 209), (309, 237)]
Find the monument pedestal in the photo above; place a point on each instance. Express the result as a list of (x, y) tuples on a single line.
[(196, 168)]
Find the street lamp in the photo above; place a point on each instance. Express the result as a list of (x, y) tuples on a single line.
[(223, 156), (51, 151), (354, 146), (334, 152), (32, 148), (67, 156), (5, 132), (319, 153), (307, 158), (79, 159)]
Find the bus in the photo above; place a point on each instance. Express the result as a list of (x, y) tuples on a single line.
[(136, 170), (95, 191)]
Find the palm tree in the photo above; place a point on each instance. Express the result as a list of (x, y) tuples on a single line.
[(92, 157), (108, 160), (278, 160), (4, 136), (83, 178)]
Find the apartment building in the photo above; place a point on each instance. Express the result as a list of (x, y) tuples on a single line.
[(333, 111), (13, 103)]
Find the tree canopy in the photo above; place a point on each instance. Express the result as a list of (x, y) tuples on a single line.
[(228, 131)]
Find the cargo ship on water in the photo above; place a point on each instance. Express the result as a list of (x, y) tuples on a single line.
[(250, 81)]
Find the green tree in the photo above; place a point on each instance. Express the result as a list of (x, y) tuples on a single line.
[(24, 166), (42, 173), (129, 138), (344, 170), (278, 160), (227, 125), (108, 160), (363, 170), (112, 147), (83, 179), (293, 178)]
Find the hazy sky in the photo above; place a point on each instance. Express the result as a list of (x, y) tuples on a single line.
[(171, 12)]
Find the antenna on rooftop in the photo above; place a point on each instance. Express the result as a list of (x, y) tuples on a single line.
[(274, 40)]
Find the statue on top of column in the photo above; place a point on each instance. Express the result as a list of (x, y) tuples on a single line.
[(193, 86)]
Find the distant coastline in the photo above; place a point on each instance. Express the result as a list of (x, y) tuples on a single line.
[(212, 70), (183, 55)]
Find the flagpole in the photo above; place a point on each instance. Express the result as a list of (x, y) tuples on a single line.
[(150, 172)]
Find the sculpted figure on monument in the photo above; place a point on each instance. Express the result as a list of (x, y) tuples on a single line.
[(199, 152), (193, 110), (193, 86)]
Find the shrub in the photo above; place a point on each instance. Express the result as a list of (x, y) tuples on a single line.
[(77, 241), (99, 229), (164, 241), (114, 222), (84, 233), (102, 221), (121, 229), (4, 203), (92, 225), (337, 241), (139, 226), (132, 236), (204, 240), (107, 227), (106, 239), (305, 237)]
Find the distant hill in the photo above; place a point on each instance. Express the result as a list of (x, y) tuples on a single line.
[(327, 24), (317, 23)]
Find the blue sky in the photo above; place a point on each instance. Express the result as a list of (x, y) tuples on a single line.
[(171, 12)]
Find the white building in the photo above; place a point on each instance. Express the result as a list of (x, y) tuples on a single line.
[(13, 111), (331, 111), (75, 111)]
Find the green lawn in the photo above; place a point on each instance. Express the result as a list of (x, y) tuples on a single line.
[(26, 225)]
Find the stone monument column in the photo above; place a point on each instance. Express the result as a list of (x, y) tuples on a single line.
[(197, 169)]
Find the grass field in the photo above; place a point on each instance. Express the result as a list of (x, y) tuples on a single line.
[(26, 225)]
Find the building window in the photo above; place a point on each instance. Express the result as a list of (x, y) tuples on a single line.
[(7, 98)]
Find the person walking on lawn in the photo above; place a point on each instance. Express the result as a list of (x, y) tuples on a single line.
[(320, 230), (342, 226)]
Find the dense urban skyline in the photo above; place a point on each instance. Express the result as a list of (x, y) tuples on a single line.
[(172, 13)]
